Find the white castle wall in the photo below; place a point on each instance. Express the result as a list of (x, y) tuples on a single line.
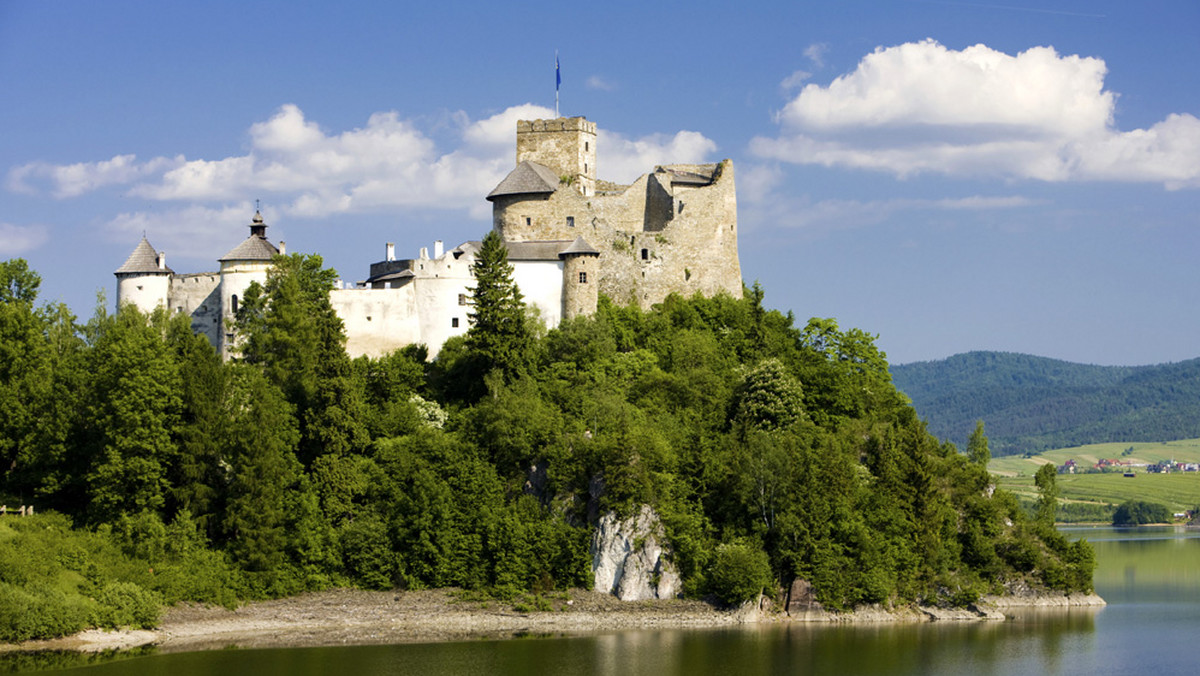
[(146, 291), (236, 276)]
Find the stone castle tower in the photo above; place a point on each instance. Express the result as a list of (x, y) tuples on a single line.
[(673, 230)]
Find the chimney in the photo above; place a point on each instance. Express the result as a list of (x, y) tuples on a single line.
[(162, 260), (391, 251), (424, 253), (437, 249), (282, 248)]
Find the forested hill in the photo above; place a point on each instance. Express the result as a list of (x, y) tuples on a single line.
[(1033, 403)]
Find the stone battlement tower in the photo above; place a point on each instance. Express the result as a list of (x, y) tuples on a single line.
[(674, 230), (567, 146)]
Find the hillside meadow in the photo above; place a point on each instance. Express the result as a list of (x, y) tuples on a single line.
[(1179, 491)]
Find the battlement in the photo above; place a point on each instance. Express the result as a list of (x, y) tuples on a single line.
[(578, 124)]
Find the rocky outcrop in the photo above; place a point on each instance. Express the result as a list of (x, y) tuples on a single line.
[(630, 558)]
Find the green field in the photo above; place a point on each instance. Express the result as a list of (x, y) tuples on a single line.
[(1178, 491)]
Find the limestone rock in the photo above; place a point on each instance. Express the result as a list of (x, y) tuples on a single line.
[(630, 558)]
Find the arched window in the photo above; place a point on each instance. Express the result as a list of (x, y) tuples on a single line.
[(233, 303)]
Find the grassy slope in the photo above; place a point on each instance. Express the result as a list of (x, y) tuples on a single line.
[(1178, 491)]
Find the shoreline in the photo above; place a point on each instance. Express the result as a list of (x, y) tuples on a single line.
[(354, 617)]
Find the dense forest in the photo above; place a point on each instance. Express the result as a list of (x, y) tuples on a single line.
[(1032, 404), (769, 452)]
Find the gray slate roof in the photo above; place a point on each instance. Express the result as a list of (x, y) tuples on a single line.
[(527, 178), (143, 260), (253, 248), (546, 250)]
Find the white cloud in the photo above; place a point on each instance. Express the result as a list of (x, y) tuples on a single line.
[(598, 83), (19, 239), (816, 53), (921, 107), (191, 233), (72, 180), (795, 80), (622, 160), (387, 164)]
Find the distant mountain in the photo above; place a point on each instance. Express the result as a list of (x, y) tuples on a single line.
[(1032, 403)]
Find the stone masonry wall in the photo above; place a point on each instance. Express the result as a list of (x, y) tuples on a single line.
[(653, 239), (566, 145)]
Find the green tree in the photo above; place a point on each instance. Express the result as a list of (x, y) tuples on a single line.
[(977, 446), (133, 411), (499, 332), (1047, 505), (770, 398), (25, 366), (288, 328)]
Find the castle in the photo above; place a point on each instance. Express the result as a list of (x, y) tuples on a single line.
[(570, 237)]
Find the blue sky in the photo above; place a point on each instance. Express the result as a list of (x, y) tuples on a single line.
[(952, 176)]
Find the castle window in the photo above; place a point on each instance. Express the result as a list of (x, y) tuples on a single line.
[(528, 221), (139, 286), (586, 146), (233, 303), (583, 278), (570, 221), (645, 254), (462, 299), (585, 169), (454, 322)]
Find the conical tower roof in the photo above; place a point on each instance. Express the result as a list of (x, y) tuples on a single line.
[(579, 247), (527, 178), (143, 261), (255, 247)]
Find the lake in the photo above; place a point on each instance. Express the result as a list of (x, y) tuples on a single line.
[(1149, 576)]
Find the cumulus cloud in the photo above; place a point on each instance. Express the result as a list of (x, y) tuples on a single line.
[(622, 159), (191, 232), (390, 163), (16, 240), (72, 180), (921, 107)]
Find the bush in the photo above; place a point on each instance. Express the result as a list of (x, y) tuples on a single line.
[(126, 604), (738, 573)]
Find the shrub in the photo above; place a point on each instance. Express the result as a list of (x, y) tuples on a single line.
[(738, 573)]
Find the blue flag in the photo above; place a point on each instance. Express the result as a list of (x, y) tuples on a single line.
[(557, 74)]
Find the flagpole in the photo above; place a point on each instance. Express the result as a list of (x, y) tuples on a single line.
[(557, 82)]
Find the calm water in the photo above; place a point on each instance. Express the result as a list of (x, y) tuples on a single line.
[(1150, 577)]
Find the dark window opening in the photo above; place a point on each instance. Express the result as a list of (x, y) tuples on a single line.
[(454, 322), (233, 302), (583, 278), (462, 299), (570, 221), (645, 254), (528, 221)]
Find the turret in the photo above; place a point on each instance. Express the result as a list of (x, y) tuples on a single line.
[(144, 279), (245, 263), (581, 279)]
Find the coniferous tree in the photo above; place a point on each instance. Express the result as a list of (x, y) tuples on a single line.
[(499, 332), (977, 446)]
